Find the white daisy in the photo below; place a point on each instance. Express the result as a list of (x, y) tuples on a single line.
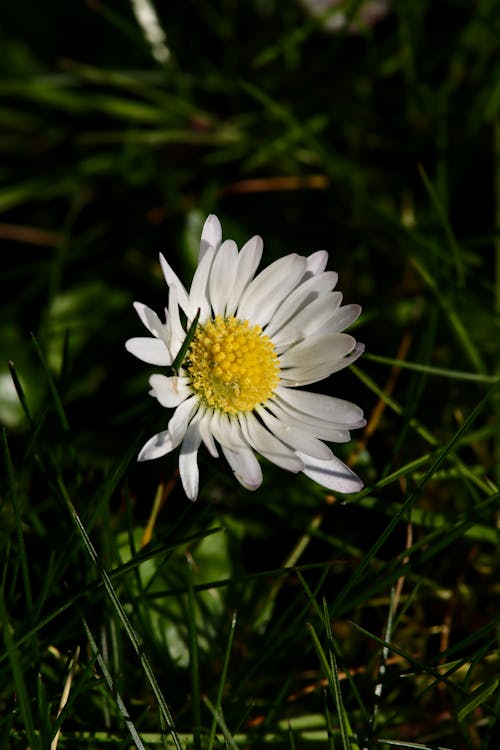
[(257, 341)]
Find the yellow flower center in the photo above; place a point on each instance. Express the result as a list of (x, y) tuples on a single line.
[(233, 366)]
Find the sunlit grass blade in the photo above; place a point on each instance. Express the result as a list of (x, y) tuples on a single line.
[(222, 683), (410, 745), (423, 431), (440, 372), (329, 669), (477, 698), (193, 656), (217, 715), (117, 606), (113, 690), (411, 498), (72, 668)]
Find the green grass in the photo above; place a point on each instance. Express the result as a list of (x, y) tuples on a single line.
[(285, 618)]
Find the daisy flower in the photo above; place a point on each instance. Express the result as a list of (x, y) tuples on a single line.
[(248, 344)]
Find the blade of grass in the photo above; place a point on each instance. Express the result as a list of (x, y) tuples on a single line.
[(117, 606), (112, 688), (440, 211), (222, 724), (22, 557), (52, 385), (20, 394), (423, 431), (72, 667), (193, 656), (329, 669), (352, 683), (410, 745), (222, 682), (473, 377), (461, 333), (19, 681), (358, 573)]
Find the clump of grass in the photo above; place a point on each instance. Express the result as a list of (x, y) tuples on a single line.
[(287, 618)]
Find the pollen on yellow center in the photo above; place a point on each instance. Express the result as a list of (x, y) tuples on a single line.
[(233, 365)]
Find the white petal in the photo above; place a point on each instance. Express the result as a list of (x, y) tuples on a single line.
[(268, 445), (226, 431), (333, 474), (151, 320), (188, 463), (172, 279), (170, 392), (308, 320), (211, 235), (300, 376), (248, 262), (176, 333), (323, 407), (316, 262), (302, 296), (331, 431), (341, 319), (158, 445), (222, 276), (245, 466), (266, 292), (207, 434), (198, 294), (150, 350), (297, 438), (317, 350), (181, 417)]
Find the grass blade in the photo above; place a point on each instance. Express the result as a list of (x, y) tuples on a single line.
[(117, 606), (222, 682), (18, 676), (112, 689)]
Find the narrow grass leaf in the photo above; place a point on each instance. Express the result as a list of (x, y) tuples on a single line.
[(22, 557), (222, 681), (410, 745), (452, 242), (52, 385), (345, 725), (329, 668), (20, 393), (174, 367), (193, 656), (358, 573), (112, 688), (222, 724), (115, 602), (441, 372), (476, 699), (456, 324), (23, 700)]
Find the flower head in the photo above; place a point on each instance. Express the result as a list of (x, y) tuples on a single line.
[(257, 340)]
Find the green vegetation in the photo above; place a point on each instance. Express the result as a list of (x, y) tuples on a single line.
[(284, 618)]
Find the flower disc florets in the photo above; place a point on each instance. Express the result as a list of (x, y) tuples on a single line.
[(233, 365)]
